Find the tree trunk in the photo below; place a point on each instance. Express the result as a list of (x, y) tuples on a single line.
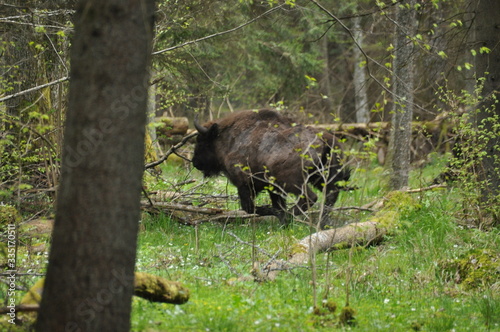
[(325, 85), (89, 282), (487, 34), (359, 77), (399, 145)]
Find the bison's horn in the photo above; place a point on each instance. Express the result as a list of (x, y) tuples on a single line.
[(198, 126)]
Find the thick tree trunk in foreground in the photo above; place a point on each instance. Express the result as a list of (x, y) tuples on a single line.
[(399, 145), (487, 34), (89, 282)]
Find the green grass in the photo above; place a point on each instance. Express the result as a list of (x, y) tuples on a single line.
[(397, 285)]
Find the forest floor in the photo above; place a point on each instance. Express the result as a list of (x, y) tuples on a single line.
[(416, 279), (434, 271)]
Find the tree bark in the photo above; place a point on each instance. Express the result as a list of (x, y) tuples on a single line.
[(89, 282), (487, 34), (399, 145)]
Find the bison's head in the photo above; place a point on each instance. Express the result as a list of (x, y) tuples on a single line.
[(205, 156)]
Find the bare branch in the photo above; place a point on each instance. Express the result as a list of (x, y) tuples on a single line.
[(20, 308), (219, 33), (36, 88), (366, 56), (419, 190), (154, 53), (171, 150)]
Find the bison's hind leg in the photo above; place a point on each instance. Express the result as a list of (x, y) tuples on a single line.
[(279, 206), (247, 200), (336, 174), (277, 209), (307, 198)]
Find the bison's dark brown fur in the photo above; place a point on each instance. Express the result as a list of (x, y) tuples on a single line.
[(264, 150)]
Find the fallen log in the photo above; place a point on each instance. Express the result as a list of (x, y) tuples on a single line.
[(377, 127), (427, 136), (361, 233), (170, 130), (168, 126), (358, 233), (147, 286), (195, 215), (158, 289)]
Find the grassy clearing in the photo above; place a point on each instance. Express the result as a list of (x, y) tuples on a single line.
[(398, 285)]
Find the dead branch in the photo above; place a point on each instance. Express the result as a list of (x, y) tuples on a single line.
[(219, 33), (226, 262), (180, 207), (20, 308), (171, 150), (36, 88), (259, 249), (360, 208), (419, 190), (227, 216)]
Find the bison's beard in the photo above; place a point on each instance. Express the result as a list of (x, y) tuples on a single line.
[(210, 173), (208, 169)]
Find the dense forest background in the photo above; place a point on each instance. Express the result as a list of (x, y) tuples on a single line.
[(321, 62), (407, 85)]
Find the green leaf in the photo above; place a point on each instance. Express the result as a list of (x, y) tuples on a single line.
[(484, 50), (442, 54)]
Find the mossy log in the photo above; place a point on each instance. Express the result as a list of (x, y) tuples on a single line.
[(427, 136), (9, 215), (382, 128), (358, 233), (169, 126), (147, 286), (158, 289)]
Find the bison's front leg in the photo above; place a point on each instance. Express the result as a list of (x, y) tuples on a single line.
[(247, 197), (247, 200)]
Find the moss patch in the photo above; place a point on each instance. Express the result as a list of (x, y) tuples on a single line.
[(9, 215), (476, 268)]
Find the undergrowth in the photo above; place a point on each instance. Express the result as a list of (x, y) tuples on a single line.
[(432, 273), (399, 285)]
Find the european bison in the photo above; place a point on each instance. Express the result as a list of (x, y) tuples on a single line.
[(263, 150)]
